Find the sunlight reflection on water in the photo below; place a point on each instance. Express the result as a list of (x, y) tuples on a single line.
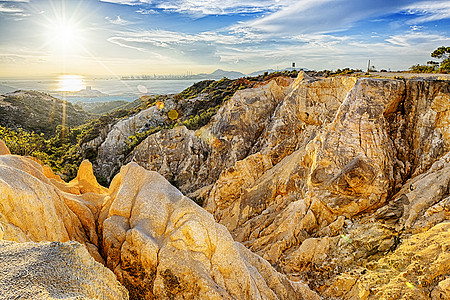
[(71, 83)]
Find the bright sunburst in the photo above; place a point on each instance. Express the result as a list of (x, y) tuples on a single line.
[(71, 83), (64, 36), (65, 30)]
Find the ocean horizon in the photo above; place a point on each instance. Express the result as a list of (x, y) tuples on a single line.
[(111, 89)]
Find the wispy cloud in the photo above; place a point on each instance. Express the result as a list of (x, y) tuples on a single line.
[(429, 11), (170, 39), (120, 41), (127, 2), (320, 16), (12, 11), (117, 21), (209, 7), (417, 39), (147, 11), (9, 9), (222, 7)]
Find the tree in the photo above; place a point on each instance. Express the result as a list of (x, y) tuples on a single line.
[(444, 54)]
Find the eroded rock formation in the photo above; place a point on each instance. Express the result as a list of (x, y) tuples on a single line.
[(159, 243), (162, 245), (342, 183), (338, 162)]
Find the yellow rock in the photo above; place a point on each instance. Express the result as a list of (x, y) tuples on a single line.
[(86, 181), (162, 245), (3, 148)]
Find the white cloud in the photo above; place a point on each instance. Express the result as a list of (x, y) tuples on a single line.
[(9, 9), (126, 2), (222, 7), (117, 21), (170, 39), (320, 16), (147, 11), (429, 11), (209, 7), (418, 39)]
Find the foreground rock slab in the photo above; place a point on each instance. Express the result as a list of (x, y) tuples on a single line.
[(54, 270)]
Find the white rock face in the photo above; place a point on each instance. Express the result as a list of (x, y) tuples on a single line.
[(110, 152)]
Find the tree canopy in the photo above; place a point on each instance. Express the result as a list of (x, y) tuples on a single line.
[(442, 53)]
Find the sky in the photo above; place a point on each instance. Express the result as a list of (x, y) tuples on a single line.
[(130, 37)]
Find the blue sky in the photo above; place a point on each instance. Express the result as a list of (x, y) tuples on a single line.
[(121, 37)]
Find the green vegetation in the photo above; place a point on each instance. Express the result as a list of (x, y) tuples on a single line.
[(101, 108), (135, 140), (338, 72), (442, 53), (64, 148), (201, 119), (59, 152), (39, 112)]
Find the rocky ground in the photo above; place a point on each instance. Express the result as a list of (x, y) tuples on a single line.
[(337, 188)]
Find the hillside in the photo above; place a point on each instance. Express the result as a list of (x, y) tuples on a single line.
[(102, 108), (38, 112), (330, 188)]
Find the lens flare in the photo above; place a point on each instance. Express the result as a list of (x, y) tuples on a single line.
[(159, 105), (173, 114), (142, 89)]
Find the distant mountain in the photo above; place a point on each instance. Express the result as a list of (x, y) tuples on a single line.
[(219, 74), (86, 93), (38, 112)]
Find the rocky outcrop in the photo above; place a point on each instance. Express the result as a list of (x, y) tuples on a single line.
[(3, 148), (310, 105), (303, 212), (342, 183), (193, 160), (330, 163), (162, 245), (159, 243), (111, 151), (54, 271)]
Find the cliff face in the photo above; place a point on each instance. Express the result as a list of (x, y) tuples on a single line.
[(192, 160), (342, 183), (159, 243), (331, 162)]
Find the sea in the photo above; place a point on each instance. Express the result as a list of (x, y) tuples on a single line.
[(83, 89)]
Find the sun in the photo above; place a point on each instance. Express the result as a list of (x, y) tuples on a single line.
[(65, 33), (64, 36)]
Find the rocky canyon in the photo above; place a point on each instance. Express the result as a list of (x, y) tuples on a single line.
[(306, 188)]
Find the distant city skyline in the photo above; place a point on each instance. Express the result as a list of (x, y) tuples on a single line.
[(135, 37)]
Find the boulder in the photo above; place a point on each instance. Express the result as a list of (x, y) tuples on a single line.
[(162, 245), (54, 270)]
